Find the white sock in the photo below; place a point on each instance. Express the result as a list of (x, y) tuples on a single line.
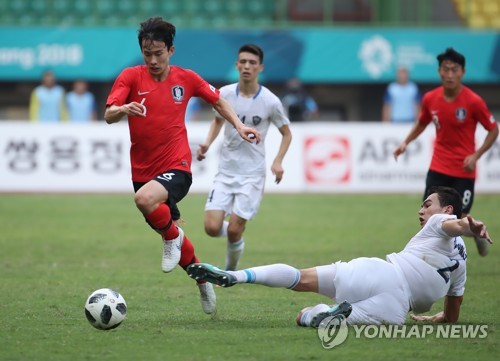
[(234, 252), (275, 275), (308, 315), (223, 230)]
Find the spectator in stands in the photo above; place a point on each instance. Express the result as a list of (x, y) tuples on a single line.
[(47, 100), (401, 100), (298, 105), (81, 103)]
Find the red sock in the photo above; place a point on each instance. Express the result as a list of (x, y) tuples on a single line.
[(187, 254), (161, 220)]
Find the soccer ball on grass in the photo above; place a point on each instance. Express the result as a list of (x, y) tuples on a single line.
[(105, 309)]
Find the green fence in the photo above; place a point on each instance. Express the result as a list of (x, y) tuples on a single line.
[(253, 13)]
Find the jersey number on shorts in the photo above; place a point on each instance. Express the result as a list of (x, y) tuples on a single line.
[(166, 176)]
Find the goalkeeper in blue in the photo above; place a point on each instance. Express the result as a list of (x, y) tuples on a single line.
[(376, 291)]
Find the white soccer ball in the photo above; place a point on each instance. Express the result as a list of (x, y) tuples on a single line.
[(105, 309)]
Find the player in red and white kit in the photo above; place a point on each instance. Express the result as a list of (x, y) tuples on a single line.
[(154, 97), (455, 110)]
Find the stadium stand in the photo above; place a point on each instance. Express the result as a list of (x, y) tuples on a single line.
[(254, 13), (183, 13), (244, 14), (479, 14)]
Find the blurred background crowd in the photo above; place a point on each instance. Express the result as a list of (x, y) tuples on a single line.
[(329, 60)]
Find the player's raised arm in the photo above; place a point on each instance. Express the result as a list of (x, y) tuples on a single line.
[(466, 226)]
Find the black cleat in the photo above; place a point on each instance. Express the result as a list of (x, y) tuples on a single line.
[(343, 309)]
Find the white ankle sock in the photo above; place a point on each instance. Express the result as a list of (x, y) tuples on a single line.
[(233, 254), (275, 275), (308, 315)]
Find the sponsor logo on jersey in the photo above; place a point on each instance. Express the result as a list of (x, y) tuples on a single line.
[(178, 93), (461, 113)]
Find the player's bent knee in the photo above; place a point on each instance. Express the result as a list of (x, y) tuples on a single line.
[(212, 230), (144, 200)]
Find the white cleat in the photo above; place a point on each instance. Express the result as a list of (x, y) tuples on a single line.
[(207, 298), (172, 252)]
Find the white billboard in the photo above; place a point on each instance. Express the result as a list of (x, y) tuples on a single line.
[(329, 157)]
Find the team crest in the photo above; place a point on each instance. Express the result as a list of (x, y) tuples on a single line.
[(461, 113), (178, 93), (256, 120)]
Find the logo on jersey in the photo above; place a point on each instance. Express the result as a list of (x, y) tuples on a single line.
[(178, 93), (212, 88), (256, 120), (461, 113)]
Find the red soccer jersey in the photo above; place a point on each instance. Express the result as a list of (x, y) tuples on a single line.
[(455, 128), (159, 140)]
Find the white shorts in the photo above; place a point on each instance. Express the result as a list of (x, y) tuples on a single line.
[(236, 194), (375, 289)]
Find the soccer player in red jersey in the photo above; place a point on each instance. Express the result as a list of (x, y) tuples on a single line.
[(455, 110), (154, 97)]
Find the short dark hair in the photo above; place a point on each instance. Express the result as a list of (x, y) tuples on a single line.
[(253, 49), (448, 197), (157, 29), (452, 55)]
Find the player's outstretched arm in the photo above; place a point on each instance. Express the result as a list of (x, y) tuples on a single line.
[(247, 133), (466, 226)]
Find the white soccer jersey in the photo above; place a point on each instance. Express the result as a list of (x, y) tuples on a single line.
[(433, 263), (238, 157)]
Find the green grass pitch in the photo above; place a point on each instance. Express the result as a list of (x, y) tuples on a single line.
[(57, 249)]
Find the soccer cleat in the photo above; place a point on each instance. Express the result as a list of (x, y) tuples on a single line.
[(207, 298), (483, 246), (172, 252), (343, 309), (209, 273), (300, 319)]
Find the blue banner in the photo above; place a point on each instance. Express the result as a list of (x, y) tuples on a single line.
[(340, 55)]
